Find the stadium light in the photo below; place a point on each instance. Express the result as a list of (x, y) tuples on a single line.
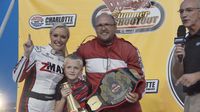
[(2, 102)]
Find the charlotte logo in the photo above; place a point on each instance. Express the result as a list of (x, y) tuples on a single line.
[(152, 86), (133, 16), (47, 21), (176, 90)]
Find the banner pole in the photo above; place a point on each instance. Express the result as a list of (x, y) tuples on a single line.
[(5, 20)]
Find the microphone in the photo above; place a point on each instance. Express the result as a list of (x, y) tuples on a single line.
[(180, 39)]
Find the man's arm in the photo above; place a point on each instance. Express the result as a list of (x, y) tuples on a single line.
[(188, 79), (135, 62), (177, 67), (177, 63)]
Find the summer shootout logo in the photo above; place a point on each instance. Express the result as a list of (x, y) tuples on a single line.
[(133, 16), (47, 21), (176, 90)]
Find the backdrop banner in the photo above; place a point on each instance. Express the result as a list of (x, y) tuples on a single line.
[(149, 25)]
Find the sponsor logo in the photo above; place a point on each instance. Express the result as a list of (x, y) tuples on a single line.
[(122, 4), (175, 90), (53, 68), (133, 17), (47, 21), (152, 86)]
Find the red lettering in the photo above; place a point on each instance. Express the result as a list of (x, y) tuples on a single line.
[(44, 68)]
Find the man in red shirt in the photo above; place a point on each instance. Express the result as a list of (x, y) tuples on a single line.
[(107, 52)]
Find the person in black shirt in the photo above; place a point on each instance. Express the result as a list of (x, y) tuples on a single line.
[(187, 71)]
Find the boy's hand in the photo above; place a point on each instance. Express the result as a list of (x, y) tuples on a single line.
[(66, 92)]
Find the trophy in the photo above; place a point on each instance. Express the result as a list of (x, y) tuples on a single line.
[(72, 104), (113, 88)]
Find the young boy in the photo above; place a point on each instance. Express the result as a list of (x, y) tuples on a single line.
[(73, 66)]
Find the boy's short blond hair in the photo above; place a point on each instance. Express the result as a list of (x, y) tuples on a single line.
[(74, 56)]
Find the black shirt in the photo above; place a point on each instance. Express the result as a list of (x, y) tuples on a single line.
[(191, 61)]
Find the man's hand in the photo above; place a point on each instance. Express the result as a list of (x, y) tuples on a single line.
[(28, 46), (179, 51), (188, 79), (132, 97)]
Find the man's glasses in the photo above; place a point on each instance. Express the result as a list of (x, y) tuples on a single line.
[(187, 10), (104, 25)]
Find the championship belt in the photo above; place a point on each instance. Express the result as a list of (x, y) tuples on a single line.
[(113, 88)]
